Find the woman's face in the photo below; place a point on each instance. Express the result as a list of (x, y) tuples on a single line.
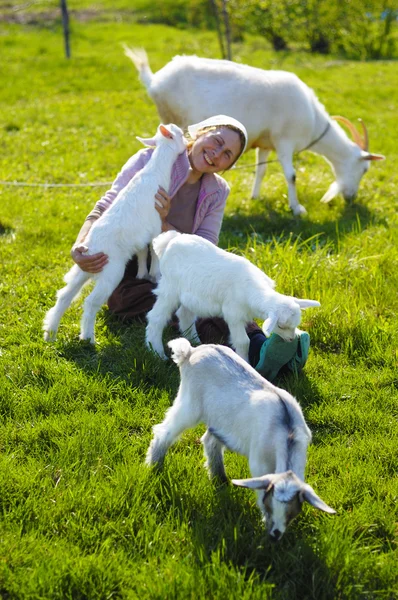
[(215, 150)]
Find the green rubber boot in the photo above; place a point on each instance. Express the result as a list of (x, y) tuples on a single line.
[(276, 353)]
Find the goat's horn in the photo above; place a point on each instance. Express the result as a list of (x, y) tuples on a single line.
[(365, 136), (354, 131)]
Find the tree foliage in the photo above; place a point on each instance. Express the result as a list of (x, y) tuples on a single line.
[(356, 29)]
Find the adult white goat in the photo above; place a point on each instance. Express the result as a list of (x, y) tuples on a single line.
[(125, 229), (244, 413), (279, 111), (202, 280)]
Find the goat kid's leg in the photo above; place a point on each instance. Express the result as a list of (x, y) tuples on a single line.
[(214, 454), (106, 282), (285, 155), (76, 278), (158, 318), (181, 416), (239, 338), (261, 157), (187, 325), (142, 255), (154, 271)]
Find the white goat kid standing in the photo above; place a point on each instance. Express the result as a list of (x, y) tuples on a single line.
[(279, 111), (244, 413), (201, 280), (125, 229)]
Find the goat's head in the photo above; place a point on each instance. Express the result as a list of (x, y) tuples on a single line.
[(167, 134), (350, 171), (286, 318), (284, 495)]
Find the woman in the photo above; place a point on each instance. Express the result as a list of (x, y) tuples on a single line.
[(195, 204)]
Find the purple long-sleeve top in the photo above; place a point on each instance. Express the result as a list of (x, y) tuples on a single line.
[(212, 196)]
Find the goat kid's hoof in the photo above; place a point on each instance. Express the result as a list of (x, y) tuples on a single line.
[(89, 338), (160, 353), (50, 336), (299, 210), (142, 275)]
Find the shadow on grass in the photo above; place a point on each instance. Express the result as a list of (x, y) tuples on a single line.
[(124, 356), (271, 223), (232, 533), (5, 228)]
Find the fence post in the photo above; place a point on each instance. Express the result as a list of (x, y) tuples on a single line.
[(227, 28), (65, 24), (218, 25)]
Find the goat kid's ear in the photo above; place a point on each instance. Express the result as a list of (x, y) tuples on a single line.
[(164, 131), (255, 483), (369, 156), (147, 141), (307, 494), (332, 192), (307, 303), (270, 324)]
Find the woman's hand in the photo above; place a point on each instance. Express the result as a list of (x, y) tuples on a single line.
[(93, 263), (162, 204)]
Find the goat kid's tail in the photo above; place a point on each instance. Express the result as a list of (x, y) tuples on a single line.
[(161, 242), (181, 350), (140, 59)]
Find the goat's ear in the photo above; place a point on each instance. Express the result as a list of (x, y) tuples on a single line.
[(332, 192), (164, 131), (307, 494), (265, 482), (307, 303), (147, 141), (270, 324), (369, 156)]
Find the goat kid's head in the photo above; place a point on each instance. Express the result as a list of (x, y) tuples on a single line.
[(350, 171), (284, 495), (287, 317), (167, 134)]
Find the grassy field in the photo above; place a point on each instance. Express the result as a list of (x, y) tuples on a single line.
[(81, 516)]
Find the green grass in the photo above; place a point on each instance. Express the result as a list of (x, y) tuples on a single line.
[(81, 516)]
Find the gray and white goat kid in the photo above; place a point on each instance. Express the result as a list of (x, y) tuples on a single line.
[(280, 112), (244, 413), (125, 229), (201, 280)]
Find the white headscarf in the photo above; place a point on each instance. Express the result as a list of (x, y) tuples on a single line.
[(219, 120)]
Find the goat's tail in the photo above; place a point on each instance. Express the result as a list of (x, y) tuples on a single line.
[(161, 242), (140, 59), (181, 350)]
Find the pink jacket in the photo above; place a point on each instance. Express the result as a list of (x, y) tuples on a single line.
[(210, 207)]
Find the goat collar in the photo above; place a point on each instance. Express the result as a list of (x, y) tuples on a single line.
[(324, 132)]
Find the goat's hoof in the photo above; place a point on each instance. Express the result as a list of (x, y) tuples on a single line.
[(88, 338), (160, 352), (50, 336), (299, 210)]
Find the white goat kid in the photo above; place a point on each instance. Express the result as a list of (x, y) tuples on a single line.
[(244, 413), (201, 280), (125, 229), (279, 111)]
